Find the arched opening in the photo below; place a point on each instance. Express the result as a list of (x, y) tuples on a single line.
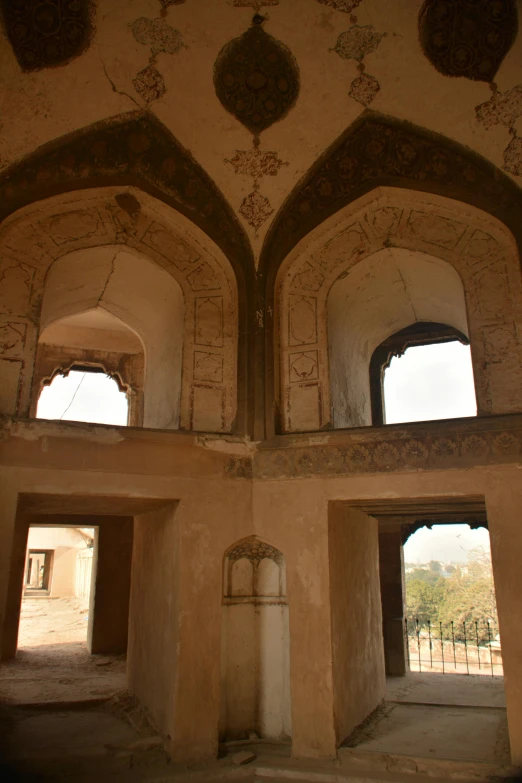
[(451, 623), (84, 394), (255, 655), (111, 310), (414, 297), (422, 373)]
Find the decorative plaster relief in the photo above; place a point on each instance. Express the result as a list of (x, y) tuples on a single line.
[(383, 222), (379, 150), (208, 367), (256, 164), (346, 6), (203, 279), (12, 340), (364, 88), (49, 33), (302, 314), (308, 278), (209, 321), (436, 230), (425, 451), (172, 247), (352, 242), (157, 34), (513, 157), (357, 42), (166, 3), (255, 208), (469, 38), (149, 84), (303, 366), (503, 108), (15, 287), (481, 256), (256, 79), (254, 549), (255, 4)]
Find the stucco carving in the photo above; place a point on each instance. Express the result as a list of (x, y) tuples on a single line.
[(256, 79), (255, 208), (157, 34), (513, 156), (347, 6), (90, 219), (452, 448), (364, 88), (479, 248), (377, 150), (469, 38), (129, 148), (46, 34), (254, 549), (149, 84), (357, 42)]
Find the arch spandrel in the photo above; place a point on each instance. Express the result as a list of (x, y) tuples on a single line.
[(478, 246), (127, 219)]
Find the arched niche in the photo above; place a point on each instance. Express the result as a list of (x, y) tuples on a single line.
[(380, 295), (127, 247), (472, 262), (255, 663)]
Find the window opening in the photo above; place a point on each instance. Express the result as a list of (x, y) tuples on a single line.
[(85, 394), (451, 623), (422, 373)]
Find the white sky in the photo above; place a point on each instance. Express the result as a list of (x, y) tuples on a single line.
[(445, 543), (430, 382), (97, 399)]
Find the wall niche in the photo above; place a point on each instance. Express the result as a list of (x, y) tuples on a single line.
[(255, 660)]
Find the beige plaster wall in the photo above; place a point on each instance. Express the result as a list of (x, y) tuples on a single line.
[(152, 660), (90, 464), (357, 644), (379, 296), (66, 543)]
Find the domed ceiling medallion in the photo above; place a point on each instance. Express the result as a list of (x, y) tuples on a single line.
[(468, 37), (256, 79)]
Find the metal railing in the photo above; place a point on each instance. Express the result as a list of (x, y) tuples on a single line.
[(461, 648)]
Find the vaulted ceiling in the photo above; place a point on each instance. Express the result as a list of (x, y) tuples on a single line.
[(257, 91)]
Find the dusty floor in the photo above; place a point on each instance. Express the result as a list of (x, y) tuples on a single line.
[(52, 663), (439, 716)]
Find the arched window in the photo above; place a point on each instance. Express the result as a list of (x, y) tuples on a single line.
[(84, 393), (422, 373)]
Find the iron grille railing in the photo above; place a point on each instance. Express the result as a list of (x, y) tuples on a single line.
[(462, 648)]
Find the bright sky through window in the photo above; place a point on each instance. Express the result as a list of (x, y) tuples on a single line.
[(430, 382), (83, 396), (446, 543)]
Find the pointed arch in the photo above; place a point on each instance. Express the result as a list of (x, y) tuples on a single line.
[(136, 150), (375, 151)]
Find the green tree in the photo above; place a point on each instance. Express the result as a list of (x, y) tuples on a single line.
[(423, 600)]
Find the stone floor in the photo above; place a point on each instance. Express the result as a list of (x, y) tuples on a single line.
[(439, 716), (66, 715), (52, 663)]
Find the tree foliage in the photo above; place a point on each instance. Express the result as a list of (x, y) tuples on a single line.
[(466, 596)]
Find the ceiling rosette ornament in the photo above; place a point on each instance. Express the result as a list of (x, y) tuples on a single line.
[(468, 38), (256, 79)]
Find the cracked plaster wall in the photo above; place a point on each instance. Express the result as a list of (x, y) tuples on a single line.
[(141, 295), (382, 294)]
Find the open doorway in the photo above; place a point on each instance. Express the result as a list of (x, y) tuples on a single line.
[(451, 623)]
